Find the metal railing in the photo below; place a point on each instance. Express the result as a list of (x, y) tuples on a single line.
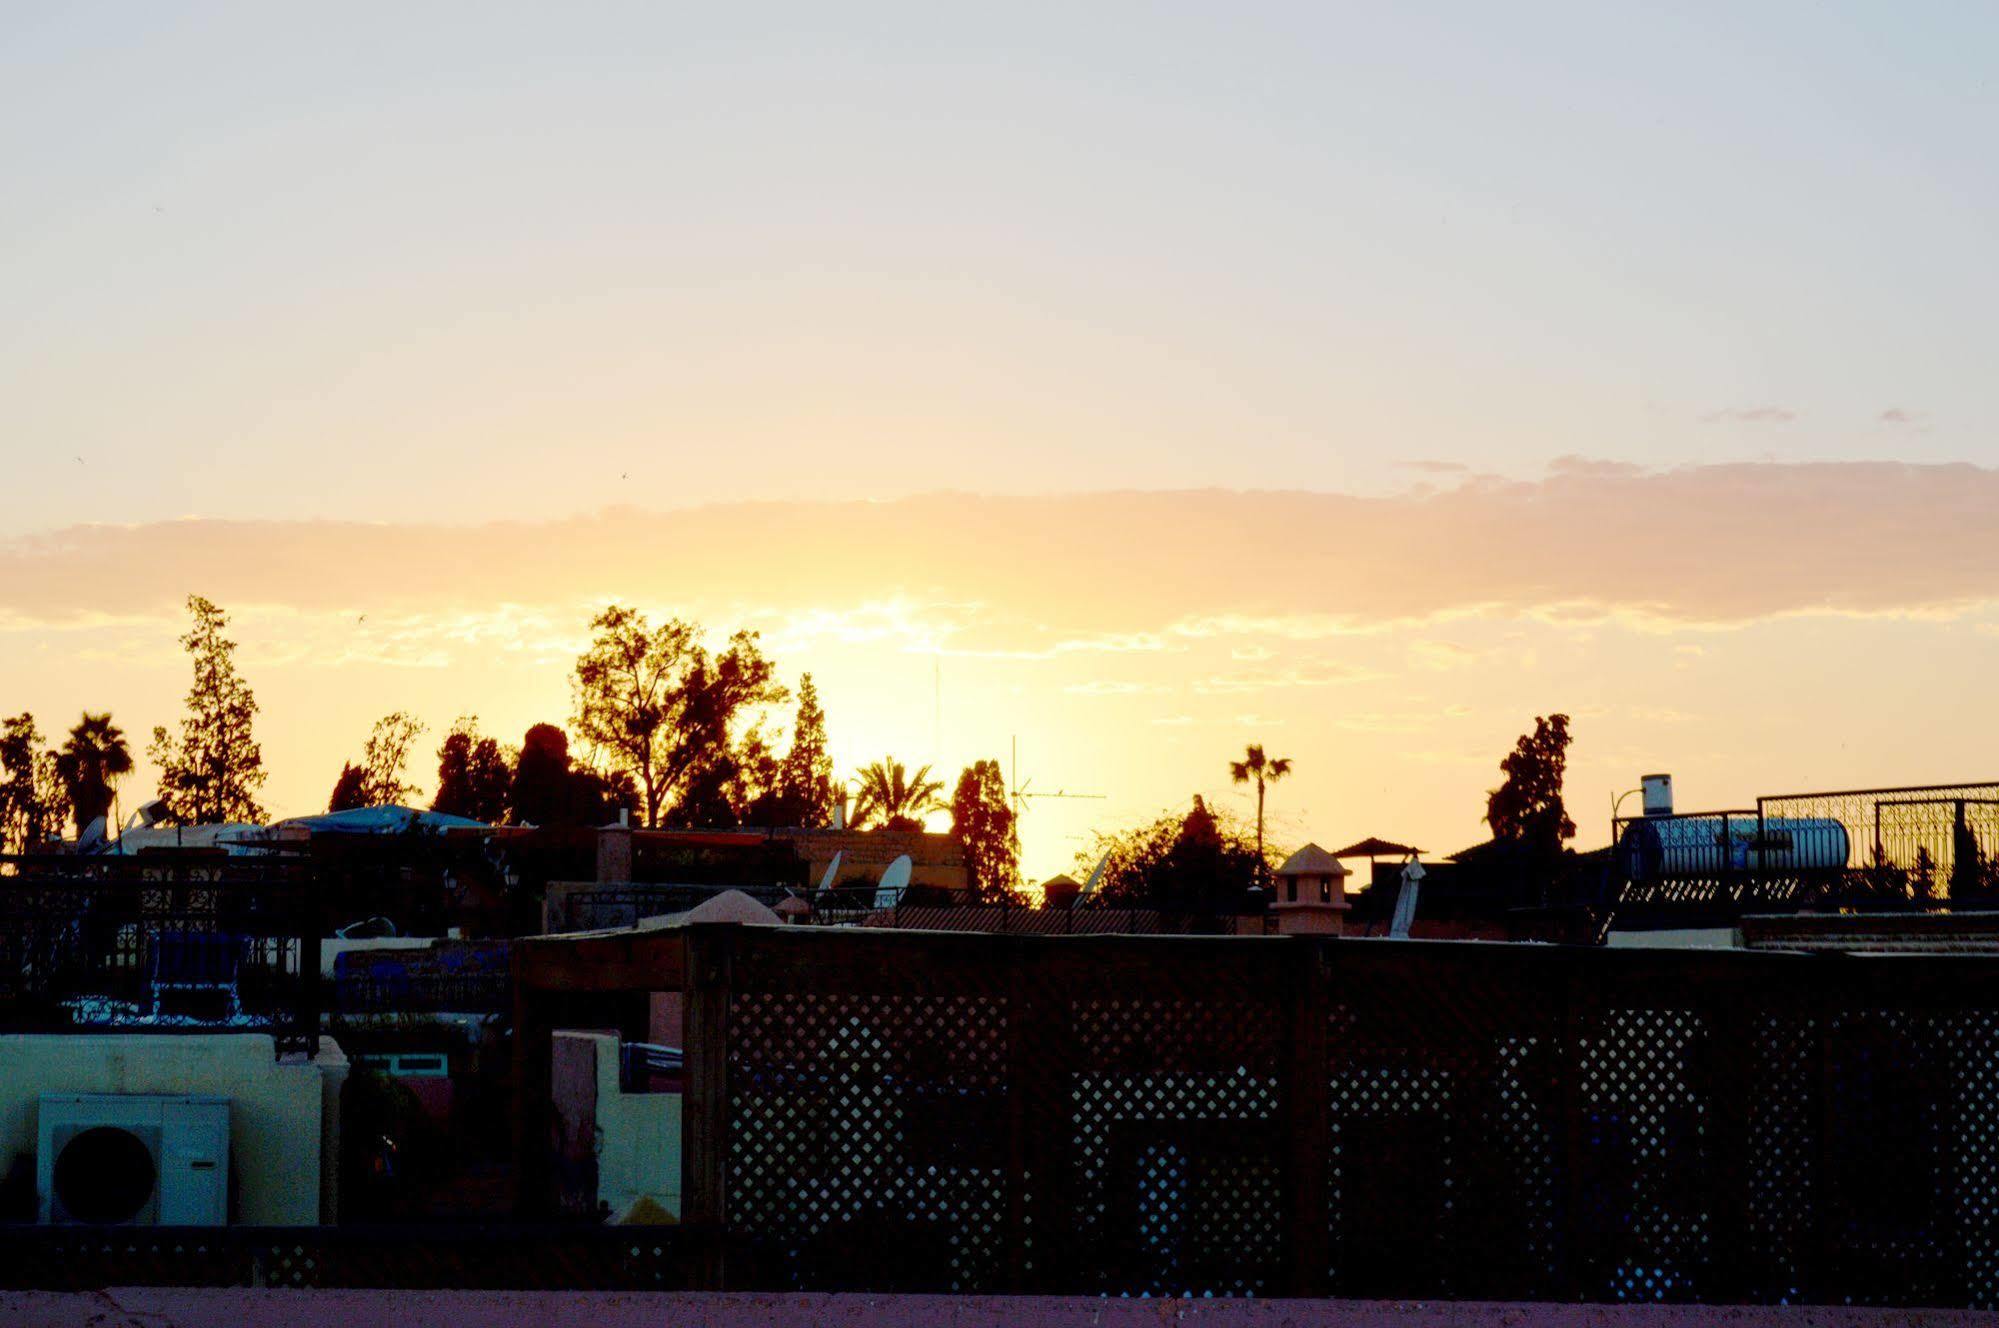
[(1919, 847), (158, 944)]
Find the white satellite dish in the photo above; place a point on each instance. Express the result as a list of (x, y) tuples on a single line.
[(147, 815), (832, 871), (91, 839), (888, 891), (1096, 875)]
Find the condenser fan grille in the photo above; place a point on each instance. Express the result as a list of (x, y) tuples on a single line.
[(104, 1175)]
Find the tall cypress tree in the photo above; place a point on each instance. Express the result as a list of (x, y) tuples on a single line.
[(211, 772), (805, 782)]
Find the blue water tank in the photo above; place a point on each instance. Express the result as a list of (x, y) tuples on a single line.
[(1697, 847)]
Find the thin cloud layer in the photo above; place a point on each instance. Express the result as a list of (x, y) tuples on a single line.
[(1752, 415), (1111, 572)]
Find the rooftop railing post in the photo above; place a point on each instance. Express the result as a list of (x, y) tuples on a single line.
[(705, 1116)]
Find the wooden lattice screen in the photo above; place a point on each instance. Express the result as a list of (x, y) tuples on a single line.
[(1300, 1116)]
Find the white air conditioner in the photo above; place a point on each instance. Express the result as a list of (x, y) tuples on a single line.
[(133, 1160)]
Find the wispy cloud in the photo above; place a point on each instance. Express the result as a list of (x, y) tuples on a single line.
[(1751, 415), (1112, 687), (1899, 415), (1113, 574), (1317, 675), (1408, 721), (1583, 467)]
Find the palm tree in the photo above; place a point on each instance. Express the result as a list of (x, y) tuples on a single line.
[(90, 764), (1264, 770), (899, 798)]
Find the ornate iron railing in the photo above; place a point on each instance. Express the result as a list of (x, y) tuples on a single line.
[(1928, 846), (159, 944)]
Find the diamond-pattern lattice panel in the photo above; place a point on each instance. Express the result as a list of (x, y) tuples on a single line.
[(1443, 1160), (867, 1143), (1971, 1125), (1781, 1166), (1644, 1152), (1889, 1184), (1178, 1184)]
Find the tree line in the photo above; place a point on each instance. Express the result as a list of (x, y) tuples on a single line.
[(671, 733)]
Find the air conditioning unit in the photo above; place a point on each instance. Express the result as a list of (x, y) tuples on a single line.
[(133, 1160)]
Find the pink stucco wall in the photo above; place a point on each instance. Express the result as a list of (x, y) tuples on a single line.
[(170, 1308)]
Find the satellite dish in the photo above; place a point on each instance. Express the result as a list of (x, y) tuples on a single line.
[(92, 839), (888, 891), (832, 871), (1096, 875)]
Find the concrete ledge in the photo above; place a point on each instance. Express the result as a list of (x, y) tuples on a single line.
[(159, 1307)]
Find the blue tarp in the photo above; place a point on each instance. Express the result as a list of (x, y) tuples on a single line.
[(390, 820)]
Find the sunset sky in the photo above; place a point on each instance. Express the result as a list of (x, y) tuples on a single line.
[(1139, 380)]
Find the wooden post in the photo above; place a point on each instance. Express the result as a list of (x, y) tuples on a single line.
[(1307, 1113), (1577, 1268), (1732, 1012), (705, 1110), (533, 1069), (1040, 1214)]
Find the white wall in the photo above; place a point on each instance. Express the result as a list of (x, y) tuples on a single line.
[(638, 1137), (277, 1111)]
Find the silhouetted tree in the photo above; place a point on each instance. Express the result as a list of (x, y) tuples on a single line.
[(658, 704), (474, 774), (385, 756), (1527, 809), (548, 790), (1967, 861), (894, 797), (210, 774), (729, 786), (1261, 770), (1194, 862), (541, 777), (1882, 877), (805, 784), (983, 821), (596, 798), (24, 814), (1923, 877), (89, 766), (51, 794), (350, 791)]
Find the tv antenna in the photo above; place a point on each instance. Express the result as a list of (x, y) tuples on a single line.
[(1024, 793)]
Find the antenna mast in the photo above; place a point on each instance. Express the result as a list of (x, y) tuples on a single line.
[(1021, 792)]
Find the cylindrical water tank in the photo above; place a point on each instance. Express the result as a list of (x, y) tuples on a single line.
[(1683, 847)]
